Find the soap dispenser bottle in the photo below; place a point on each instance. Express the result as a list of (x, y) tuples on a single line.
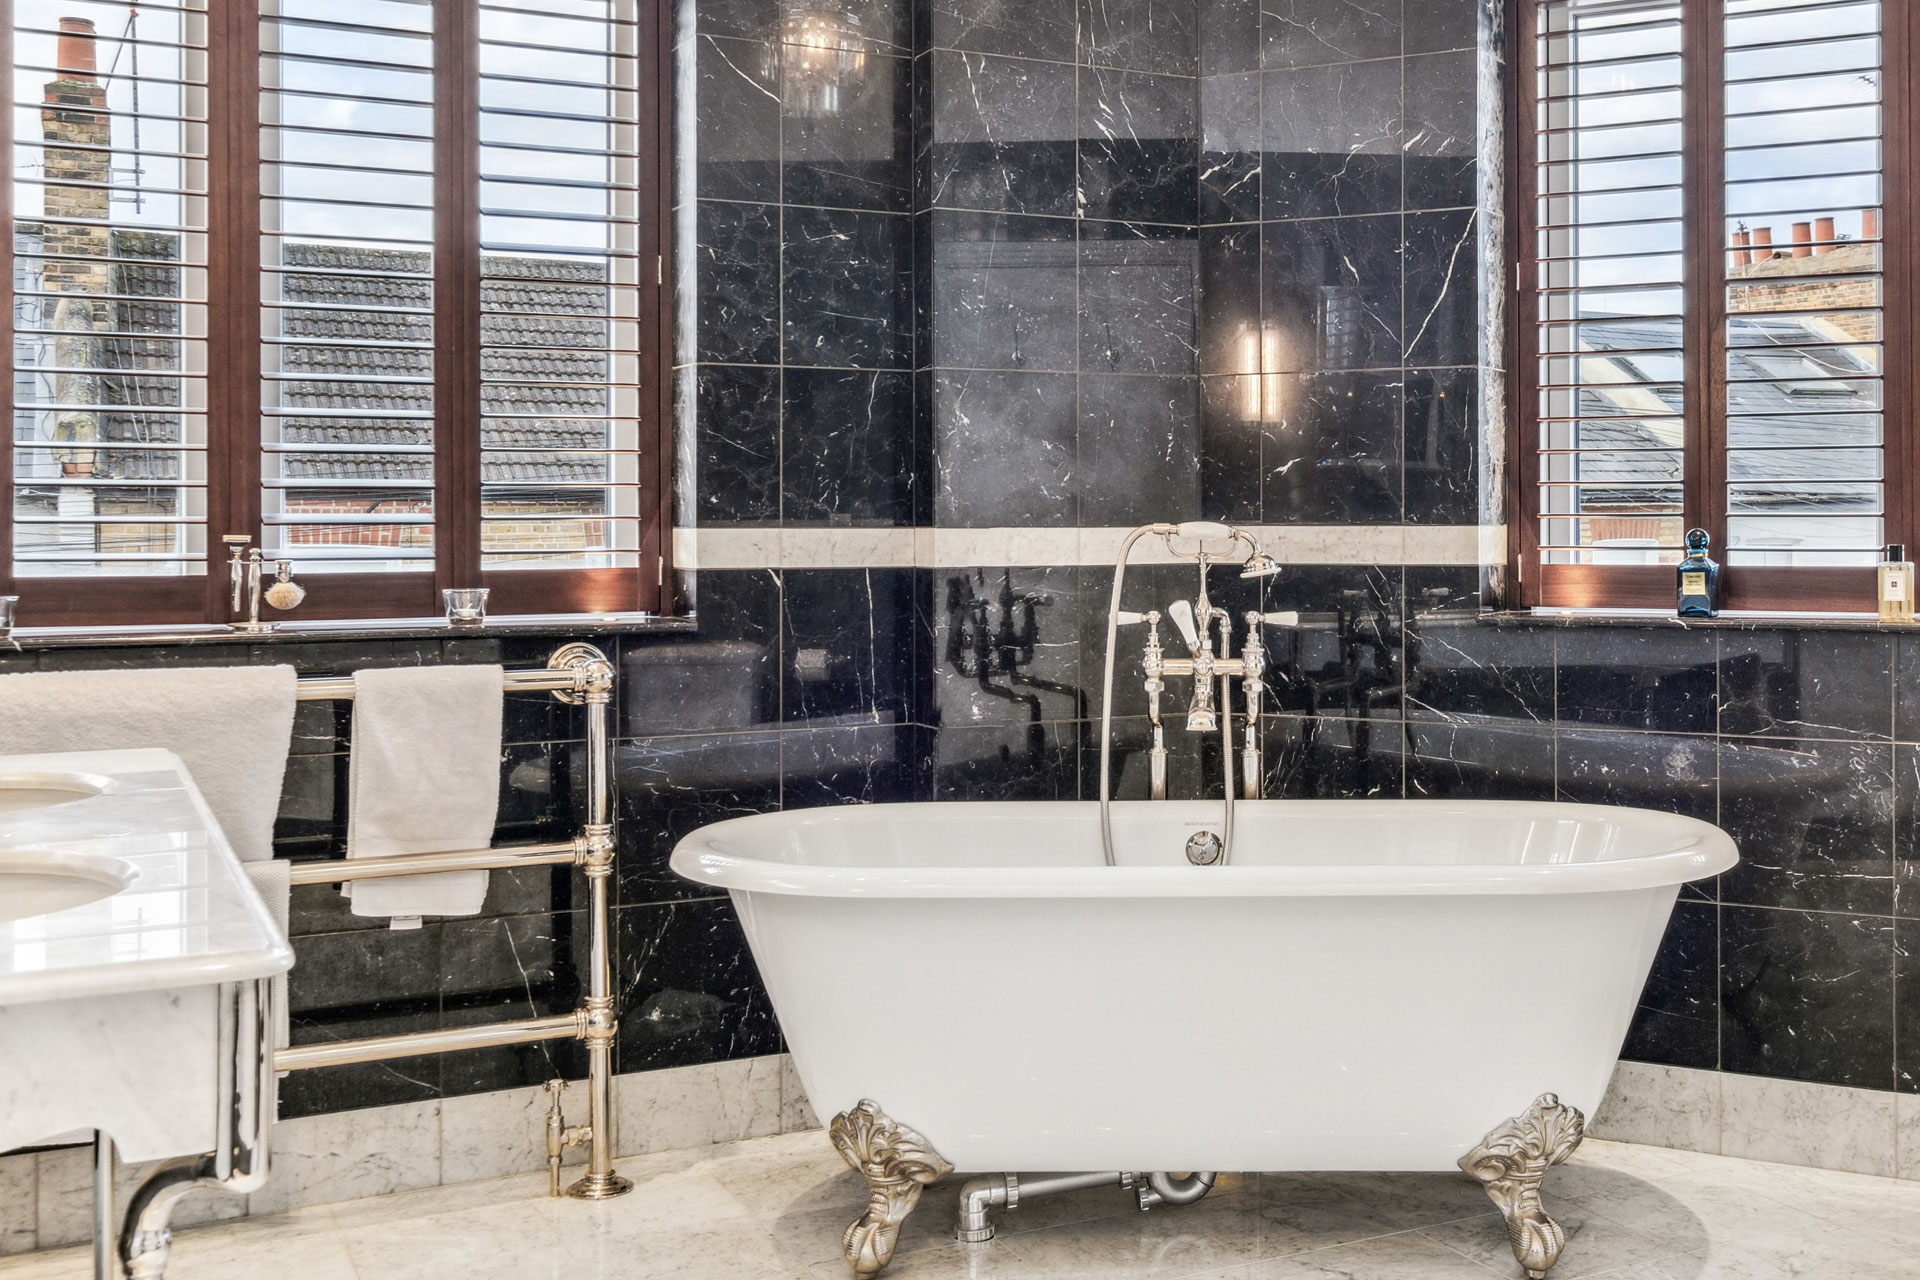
[(1699, 579), (1896, 585)]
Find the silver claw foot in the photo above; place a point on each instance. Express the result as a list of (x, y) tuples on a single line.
[(897, 1164), (1512, 1162)]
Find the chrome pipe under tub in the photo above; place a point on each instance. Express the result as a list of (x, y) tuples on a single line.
[(1009, 1190)]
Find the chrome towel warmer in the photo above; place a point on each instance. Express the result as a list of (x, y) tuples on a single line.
[(577, 674)]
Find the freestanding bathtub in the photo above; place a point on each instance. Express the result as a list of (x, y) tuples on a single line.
[(1374, 985)]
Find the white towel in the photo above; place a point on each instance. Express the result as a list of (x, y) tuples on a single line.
[(423, 777), (231, 726), (273, 881)]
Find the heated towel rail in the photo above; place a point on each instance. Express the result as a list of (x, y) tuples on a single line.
[(577, 674)]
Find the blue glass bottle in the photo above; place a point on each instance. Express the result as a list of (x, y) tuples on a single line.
[(1699, 579)]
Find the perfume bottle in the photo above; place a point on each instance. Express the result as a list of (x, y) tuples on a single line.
[(1896, 585), (1699, 579)]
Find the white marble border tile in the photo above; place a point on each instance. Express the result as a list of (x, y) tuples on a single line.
[(1661, 1107), (835, 548)]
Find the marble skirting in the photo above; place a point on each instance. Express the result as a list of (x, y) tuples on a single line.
[(46, 1196), (1757, 1118)]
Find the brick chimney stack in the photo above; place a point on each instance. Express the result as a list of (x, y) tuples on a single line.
[(78, 153)]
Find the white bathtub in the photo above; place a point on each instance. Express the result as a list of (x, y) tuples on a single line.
[(1370, 985)]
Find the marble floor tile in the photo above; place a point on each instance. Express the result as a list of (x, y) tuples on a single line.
[(774, 1208)]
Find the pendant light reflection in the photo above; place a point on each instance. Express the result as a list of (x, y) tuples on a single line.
[(821, 48), (1259, 359)]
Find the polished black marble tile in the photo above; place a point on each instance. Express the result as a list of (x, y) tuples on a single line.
[(1031, 760), (542, 792), (738, 292), (1814, 822), (1807, 996), (887, 25), (1012, 27), (1906, 1000), (1331, 293), (1443, 295), (670, 787), (1906, 831), (1006, 648), (689, 991), (1004, 287), (1004, 449), (1231, 436), (1806, 684), (1441, 411), (1906, 688), (846, 289), (737, 126), (1334, 455), (847, 645), (1430, 28), (1441, 130), (1139, 449), (1230, 148), (1001, 134), (726, 678), (1333, 757), (1346, 656), (1637, 678), (1460, 667), (1138, 298), (1142, 35), (1229, 36), (846, 442), (749, 19), (1300, 33), (373, 1084), (1228, 324), (854, 764), (1673, 772), (1139, 147), (1331, 140), (495, 970), (1483, 761), (859, 154), (1677, 1023), (736, 464)]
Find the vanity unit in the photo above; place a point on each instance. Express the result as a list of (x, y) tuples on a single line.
[(135, 963)]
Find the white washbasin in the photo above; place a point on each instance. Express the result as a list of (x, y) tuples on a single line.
[(20, 791), (35, 884)]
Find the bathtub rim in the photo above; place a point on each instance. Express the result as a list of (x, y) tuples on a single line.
[(1699, 850)]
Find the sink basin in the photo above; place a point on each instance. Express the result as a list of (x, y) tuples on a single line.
[(20, 791), (34, 884)]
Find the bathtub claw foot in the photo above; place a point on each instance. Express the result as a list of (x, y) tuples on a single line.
[(897, 1164), (1512, 1162)]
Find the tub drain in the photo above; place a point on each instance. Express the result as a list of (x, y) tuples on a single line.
[(1203, 848)]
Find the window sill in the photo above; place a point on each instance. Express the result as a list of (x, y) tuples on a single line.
[(570, 624), (1729, 620)]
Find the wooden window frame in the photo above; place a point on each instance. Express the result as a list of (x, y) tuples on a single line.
[(234, 359), (1742, 587)]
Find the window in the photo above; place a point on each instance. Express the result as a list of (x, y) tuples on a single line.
[(375, 283), (1708, 253)]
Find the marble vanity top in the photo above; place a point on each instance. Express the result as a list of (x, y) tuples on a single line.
[(188, 915)]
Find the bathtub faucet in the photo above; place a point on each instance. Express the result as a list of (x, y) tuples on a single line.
[(1210, 706)]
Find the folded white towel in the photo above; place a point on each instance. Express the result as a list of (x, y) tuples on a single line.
[(231, 726), (273, 881), (423, 777)]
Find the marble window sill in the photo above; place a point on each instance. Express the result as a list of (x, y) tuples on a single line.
[(572, 624), (1731, 620)]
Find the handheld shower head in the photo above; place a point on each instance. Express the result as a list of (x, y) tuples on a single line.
[(1260, 565)]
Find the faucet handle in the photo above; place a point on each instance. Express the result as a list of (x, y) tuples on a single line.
[(1289, 618), (1182, 614)]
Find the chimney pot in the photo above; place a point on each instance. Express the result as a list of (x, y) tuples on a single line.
[(1742, 255), (1823, 241), (75, 50), (1762, 243), (1802, 239), (1869, 224)]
